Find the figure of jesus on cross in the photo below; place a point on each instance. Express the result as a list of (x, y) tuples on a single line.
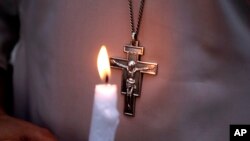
[(132, 75), (130, 82)]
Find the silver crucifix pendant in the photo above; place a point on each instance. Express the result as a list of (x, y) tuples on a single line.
[(132, 71)]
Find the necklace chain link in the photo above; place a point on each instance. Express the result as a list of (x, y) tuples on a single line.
[(135, 31)]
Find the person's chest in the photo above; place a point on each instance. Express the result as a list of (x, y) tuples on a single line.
[(62, 40)]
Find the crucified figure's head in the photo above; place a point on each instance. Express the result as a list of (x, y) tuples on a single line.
[(131, 65)]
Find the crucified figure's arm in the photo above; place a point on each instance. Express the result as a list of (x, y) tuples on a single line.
[(145, 68), (119, 64)]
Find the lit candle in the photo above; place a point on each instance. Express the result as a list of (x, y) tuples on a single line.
[(105, 116)]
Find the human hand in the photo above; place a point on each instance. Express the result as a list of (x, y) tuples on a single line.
[(13, 129)]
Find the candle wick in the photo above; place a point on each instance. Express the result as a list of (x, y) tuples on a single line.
[(106, 79)]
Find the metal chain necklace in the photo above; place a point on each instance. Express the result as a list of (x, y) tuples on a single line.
[(132, 67), (135, 32)]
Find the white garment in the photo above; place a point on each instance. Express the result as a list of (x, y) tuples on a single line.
[(202, 48)]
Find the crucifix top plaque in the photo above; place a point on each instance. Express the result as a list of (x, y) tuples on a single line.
[(132, 70)]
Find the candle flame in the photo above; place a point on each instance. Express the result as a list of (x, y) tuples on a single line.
[(103, 64)]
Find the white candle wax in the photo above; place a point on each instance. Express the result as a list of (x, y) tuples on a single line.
[(105, 116)]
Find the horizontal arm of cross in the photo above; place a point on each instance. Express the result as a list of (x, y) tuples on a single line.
[(147, 67), (123, 63)]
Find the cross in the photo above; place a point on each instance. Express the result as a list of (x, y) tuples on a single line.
[(132, 70)]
